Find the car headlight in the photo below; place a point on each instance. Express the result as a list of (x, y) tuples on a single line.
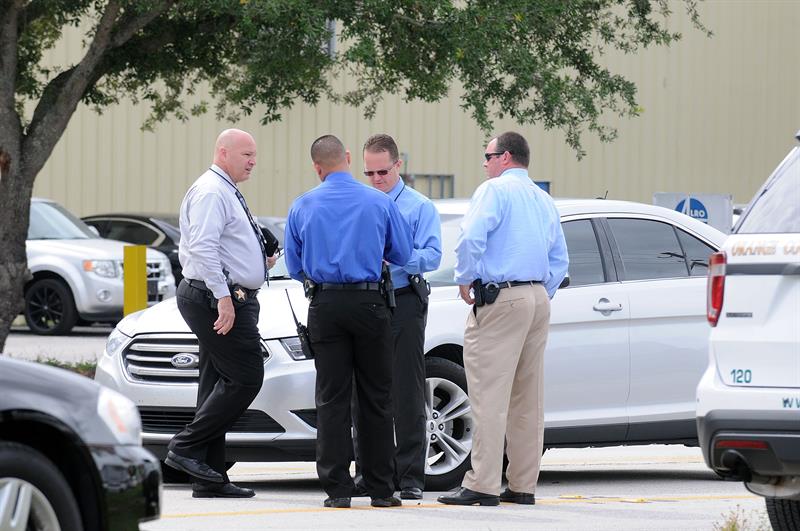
[(103, 268), (293, 347), (120, 417), (114, 343)]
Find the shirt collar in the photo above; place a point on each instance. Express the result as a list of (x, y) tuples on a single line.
[(396, 189), (223, 173), (339, 176), (519, 173)]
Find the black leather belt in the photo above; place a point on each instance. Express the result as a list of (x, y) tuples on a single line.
[(358, 286), (512, 283), (199, 284)]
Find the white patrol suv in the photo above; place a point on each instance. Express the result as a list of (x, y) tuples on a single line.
[(748, 401)]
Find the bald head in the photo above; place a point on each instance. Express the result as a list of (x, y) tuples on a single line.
[(329, 155), (235, 153)]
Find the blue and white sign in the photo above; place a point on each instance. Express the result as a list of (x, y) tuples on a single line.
[(713, 209)]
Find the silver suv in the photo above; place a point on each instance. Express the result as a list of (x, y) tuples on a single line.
[(77, 275), (748, 401)]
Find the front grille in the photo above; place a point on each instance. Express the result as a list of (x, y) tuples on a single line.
[(156, 272), (174, 419), (155, 358)]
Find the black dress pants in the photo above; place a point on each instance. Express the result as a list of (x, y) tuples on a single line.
[(408, 393), (231, 374), (352, 339)]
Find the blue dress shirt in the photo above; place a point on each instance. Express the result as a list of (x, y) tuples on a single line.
[(423, 218), (512, 231), (342, 230)]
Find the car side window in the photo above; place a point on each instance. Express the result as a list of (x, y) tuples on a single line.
[(648, 249), (585, 261), (100, 224), (697, 253), (131, 232)]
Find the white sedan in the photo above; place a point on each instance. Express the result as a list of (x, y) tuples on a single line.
[(627, 347)]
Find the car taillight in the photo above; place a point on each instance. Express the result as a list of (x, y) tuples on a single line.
[(716, 286)]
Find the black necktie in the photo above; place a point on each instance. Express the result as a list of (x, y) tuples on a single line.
[(259, 235)]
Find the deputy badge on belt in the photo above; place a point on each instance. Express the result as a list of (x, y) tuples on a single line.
[(239, 292)]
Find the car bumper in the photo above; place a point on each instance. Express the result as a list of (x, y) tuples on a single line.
[(131, 483), (103, 298)]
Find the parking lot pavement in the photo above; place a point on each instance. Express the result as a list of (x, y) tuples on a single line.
[(82, 344), (652, 487)]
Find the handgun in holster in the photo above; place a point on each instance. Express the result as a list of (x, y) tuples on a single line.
[(309, 287), (485, 293), (387, 287), (420, 287)]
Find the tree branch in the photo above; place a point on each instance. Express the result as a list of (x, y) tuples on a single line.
[(129, 25)]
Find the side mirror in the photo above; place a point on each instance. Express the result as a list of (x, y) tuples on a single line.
[(564, 283)]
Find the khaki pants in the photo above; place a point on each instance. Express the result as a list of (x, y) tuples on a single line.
[(504, 361)]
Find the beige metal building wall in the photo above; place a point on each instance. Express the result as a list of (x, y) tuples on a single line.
[(718, 114)]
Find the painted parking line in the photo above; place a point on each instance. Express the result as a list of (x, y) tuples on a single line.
[(561, 500)]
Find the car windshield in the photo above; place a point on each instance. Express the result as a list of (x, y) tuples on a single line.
[(50, 221), (776, 207), (441, 277)]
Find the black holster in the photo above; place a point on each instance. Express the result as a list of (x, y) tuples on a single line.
[(309, 287), (387, 287), (420, 287), (485, 293)]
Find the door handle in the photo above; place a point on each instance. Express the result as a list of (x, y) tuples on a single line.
[(605, 306)]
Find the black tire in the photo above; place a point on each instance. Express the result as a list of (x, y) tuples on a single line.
[(26, 464), (49, 308), (454, 373), (784, 515)]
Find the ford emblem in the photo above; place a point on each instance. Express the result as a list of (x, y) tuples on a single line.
[(185, 361)]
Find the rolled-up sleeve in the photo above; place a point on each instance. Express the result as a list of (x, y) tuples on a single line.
[(557, 257)]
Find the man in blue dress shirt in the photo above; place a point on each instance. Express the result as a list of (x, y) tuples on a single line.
[(382, 167), (337, 236), (513, 256)]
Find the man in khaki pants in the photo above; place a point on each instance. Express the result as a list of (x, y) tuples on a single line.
[(513, 257)]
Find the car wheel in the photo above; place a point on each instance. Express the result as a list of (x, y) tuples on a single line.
[(449, 424), (50, 308), (33, 493), (784, 515)]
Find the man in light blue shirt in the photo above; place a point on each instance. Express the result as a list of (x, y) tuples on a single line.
[(513, 256), (382, 167)]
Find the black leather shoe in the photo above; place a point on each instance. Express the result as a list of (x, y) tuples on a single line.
[(359, 491), (523, 498), (215, 490), (391, 501), (411, 493), (193, 467), (337, 503), (464, 496)]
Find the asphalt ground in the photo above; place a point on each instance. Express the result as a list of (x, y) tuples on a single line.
[(621, 488)]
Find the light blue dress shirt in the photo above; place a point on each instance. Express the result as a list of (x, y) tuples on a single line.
[(423, 218), (512, 231), (341, 231)]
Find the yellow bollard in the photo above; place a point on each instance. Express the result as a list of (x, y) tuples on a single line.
[(135, 278)]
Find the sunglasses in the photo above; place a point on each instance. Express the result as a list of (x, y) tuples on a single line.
[(488, 156), (382, 173)]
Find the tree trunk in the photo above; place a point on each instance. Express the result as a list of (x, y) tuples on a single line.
[(15, 204)]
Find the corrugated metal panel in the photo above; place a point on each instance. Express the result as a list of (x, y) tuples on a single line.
[(718, 115)]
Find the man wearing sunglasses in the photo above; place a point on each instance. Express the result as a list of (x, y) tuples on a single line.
[(513, 256), (382, 167)]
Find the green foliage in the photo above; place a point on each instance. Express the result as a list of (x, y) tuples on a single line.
[(536, 61), (738, 519), (84, 368)]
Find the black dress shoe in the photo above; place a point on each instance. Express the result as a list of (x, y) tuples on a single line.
[(359, 491), (193, 467), (225, 490), (411, 493), (337, 503), (523, 498), (391, 501), (464, 496)]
